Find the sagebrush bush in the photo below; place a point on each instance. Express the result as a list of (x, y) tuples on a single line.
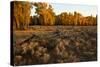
[(72, 46)]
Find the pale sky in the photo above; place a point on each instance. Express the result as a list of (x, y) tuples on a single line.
[(85, 10)]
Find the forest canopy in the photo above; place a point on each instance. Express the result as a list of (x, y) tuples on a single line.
[(46, 16)]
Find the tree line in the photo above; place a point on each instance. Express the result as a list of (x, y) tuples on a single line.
[(46, 16)]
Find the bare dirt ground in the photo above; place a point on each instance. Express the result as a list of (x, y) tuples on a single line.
[(55, 44)]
